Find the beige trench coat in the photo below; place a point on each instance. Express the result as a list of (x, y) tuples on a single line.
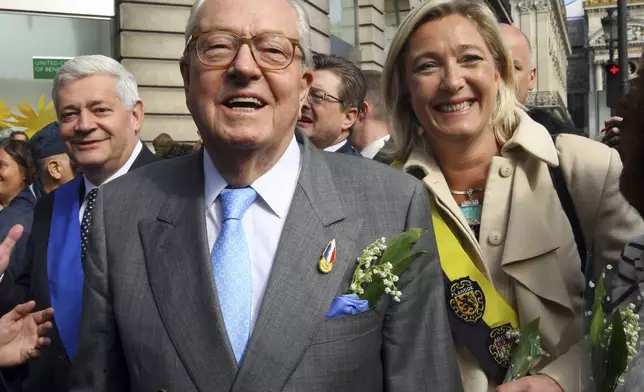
[(527, 248)]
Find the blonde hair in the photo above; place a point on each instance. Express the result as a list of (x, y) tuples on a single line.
[(396, 93)]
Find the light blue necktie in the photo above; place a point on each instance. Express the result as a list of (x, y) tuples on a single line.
[(231, 267)]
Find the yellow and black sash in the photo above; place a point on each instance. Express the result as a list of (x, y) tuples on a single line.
[(479, 316)]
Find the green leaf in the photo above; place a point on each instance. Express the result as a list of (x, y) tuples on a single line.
[(617, 351), (400, 246), (597, 325), (397, 253), (600, 294), (527, 348), (376, 288)]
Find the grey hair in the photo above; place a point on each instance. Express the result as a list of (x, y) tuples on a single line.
[(83, 66), (303, 28)]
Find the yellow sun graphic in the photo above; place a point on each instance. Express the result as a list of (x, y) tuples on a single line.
[(31, 121), (5, 114)]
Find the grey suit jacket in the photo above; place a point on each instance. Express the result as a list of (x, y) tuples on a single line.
[(151, 319)]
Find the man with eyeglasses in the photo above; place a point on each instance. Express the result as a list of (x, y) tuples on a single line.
[(334, 103), (205, 272)]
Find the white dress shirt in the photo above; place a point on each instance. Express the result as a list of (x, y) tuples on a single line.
[(123, 170), (263, 221), (336, 147), (371, 150)]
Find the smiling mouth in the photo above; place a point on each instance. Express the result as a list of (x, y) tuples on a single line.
[(306, 120), (244, 104), (452, 108)]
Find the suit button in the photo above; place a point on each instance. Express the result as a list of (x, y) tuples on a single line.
[(506, 170), (495, 238)]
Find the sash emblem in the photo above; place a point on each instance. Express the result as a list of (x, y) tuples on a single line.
[(467, 300), (500, 345)]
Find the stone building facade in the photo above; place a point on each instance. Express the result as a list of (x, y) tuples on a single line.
[(147, 37), (544, 23)]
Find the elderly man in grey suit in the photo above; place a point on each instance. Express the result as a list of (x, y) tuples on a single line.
[(203, 273)]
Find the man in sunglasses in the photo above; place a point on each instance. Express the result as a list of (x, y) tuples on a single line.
[(334, 103), (225, 270)]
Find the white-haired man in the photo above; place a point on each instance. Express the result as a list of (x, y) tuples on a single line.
[(213, 282), (100, 116)]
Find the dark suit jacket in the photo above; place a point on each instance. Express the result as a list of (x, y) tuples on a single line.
[(20, 211), (151, 316), (50, 372), (348, 149)]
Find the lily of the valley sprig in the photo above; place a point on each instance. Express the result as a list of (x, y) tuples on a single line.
[(613, 340), (380, 265)]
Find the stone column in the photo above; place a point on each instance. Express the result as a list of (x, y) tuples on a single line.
[(371, 37)]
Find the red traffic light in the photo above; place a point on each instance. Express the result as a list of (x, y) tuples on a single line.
[(612, 69)]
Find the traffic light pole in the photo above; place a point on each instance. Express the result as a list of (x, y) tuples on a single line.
[(622, 47)]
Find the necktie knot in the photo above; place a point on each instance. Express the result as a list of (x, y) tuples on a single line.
[(235, 201)]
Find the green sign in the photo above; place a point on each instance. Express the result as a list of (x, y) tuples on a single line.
[(46, 67)]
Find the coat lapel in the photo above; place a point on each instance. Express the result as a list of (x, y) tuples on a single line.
[(421, 162), (530, 256), (178, 264), (298, 295)]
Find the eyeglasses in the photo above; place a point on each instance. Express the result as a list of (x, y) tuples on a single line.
[(318, 96), (218, 49)]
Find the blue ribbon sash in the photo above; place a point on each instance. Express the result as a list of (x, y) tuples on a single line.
[(64, 268)]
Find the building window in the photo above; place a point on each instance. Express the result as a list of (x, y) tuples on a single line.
[(344, 29)]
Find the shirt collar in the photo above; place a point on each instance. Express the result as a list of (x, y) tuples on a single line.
[(336, 147), (123, 170), (285, 172), (372, 149)]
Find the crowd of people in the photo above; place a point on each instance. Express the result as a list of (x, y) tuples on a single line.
[(225, 265)]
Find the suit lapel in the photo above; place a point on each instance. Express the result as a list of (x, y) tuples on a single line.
[(178, 264), (145, 157), (298, 295)]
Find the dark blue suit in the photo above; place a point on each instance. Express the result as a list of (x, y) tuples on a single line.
[(20, 211)]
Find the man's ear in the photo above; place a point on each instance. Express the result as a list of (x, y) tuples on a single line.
[(350, 117), (184, 67), (533, 79), (305, 85), (365, 112), (55, 169), (137, 116)]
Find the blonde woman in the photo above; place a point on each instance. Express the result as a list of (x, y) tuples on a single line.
[(506, 243)]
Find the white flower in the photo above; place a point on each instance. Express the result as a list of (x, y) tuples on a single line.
[(353, 287), (609, 267), (591, 284), (387, 290)]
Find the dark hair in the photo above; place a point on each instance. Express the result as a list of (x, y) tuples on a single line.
[(352, 86), (177, 150), (553, 124), (19, 151), (15, 133), (632, 147), (374, 95), (162, 143)]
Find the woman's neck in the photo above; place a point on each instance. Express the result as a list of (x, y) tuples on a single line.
[(465, 164)]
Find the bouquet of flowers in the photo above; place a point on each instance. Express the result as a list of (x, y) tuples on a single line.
[(614, 340)]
